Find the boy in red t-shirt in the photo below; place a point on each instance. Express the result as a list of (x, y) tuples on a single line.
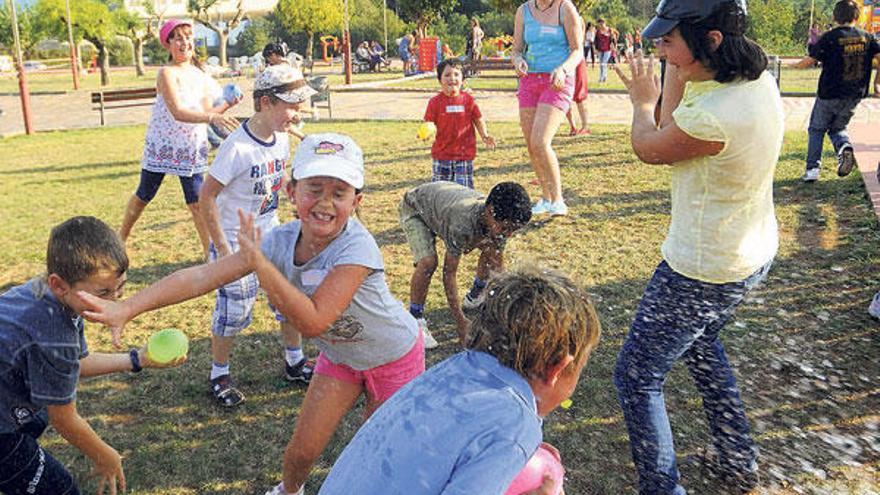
[(455, 114)]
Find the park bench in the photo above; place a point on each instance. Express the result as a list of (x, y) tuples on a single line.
[(122, 98), (488, 64)]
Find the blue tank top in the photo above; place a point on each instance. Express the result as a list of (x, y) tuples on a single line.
[(546, 46)]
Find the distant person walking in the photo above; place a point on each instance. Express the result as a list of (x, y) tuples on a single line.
[(846, 53), (589, 44), (176, 142), (603, 47), (547, 48)]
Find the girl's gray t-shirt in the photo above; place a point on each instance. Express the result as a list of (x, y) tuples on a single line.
[(375, 329)]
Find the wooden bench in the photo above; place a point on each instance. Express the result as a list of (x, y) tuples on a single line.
[(122, 98), (488, 64)]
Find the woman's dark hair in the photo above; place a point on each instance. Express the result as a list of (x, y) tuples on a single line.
[(736, 56), (845, 11), (274, 48)]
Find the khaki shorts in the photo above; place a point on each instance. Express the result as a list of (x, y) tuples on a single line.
[(418, 235)]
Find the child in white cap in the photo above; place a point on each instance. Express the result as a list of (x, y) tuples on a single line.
[(324, 272), (248, 175)]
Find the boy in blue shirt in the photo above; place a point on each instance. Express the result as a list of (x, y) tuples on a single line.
[(470, 423), (43, 353)]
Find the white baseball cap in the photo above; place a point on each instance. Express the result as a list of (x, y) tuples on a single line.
[(329, 155), (285, 82)]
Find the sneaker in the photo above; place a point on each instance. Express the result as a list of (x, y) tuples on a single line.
[(557, 208), (874, 308), (811, 175), (542, 206), (225, 393), (279, 490), (470, 305), (430, 342), (300, 372), (846, 160)]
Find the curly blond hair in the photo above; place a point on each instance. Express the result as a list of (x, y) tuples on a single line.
[(534, 317)]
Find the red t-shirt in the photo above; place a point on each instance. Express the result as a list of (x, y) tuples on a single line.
[(454, 117)]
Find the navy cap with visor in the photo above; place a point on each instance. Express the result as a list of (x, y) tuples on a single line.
[(671, 12)]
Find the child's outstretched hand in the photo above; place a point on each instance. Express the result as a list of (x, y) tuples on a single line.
[(113, 314), (489, 141), (643, 85), (108, 470), (248, 239)]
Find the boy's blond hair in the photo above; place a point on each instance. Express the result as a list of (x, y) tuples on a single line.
[(533, 318)]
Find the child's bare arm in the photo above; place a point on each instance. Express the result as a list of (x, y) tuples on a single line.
[(180, 286), (450, 285), (804, 63), (73, 428), (488, 140), (491, 261), (211, 213), (99, 363)]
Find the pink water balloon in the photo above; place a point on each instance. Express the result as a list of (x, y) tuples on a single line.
[(530, 478)]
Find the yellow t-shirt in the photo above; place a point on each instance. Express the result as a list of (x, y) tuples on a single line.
[(723, 225)]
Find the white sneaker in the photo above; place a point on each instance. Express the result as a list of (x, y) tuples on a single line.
[(557, 208), (279, 490), (542, 206), (874, 308), (811, 175), (430, 342)]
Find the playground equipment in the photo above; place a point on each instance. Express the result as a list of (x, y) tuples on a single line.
[(502, 43), (429, 48), (328, 41), (870, 18)]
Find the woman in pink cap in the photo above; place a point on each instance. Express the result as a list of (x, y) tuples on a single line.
[(177, 142)]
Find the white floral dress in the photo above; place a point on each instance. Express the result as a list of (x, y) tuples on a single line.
[(173, 147)]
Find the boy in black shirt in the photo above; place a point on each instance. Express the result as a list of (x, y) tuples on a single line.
[(846, 53)]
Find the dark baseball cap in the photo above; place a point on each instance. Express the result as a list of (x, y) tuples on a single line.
[(671, 12)]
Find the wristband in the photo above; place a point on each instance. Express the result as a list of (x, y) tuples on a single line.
[(135, 361)]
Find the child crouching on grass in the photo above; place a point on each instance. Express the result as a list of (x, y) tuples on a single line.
[(43, 354), (324, 272), (470, 423)]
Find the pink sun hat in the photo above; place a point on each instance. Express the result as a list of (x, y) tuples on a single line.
[(169, 26)]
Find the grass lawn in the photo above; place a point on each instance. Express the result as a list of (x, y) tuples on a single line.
[(792, 80), (803, 347)]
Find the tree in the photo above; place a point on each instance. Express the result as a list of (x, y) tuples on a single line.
[(310, 16), (139, 31), (254, 36), (206, 13), (30, 32), (366, 22), (92, 20), (511, 5), (771, 24), (424, 12)]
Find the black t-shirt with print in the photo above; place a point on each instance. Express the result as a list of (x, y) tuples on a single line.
[(846, 53)]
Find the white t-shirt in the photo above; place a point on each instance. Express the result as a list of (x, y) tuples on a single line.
[(374, 329), (252, 173)]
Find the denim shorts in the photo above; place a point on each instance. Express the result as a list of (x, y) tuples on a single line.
[(150, 182), (25, 468)]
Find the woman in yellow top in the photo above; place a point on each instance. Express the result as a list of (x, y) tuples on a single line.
[(721, 127)]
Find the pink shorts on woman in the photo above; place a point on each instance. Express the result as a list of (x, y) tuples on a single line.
[(536, 88), (382, 381)]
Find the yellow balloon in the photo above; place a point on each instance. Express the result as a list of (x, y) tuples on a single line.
[(426, 131)]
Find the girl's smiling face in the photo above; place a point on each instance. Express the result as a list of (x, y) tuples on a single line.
[(323, 204), (677, 52), (181, 44)]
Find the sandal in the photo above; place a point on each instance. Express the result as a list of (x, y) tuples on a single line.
[(225, 393)]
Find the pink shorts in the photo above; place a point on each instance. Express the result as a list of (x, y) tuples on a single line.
[(536, 88), (382, 381)]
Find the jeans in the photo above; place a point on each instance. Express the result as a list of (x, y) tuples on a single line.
[(680, 318), (831, 116), (27, 469), (604, 57)]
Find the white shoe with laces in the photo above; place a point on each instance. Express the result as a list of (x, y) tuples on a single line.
[(430, 341), (279, 490), (811, 175)]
